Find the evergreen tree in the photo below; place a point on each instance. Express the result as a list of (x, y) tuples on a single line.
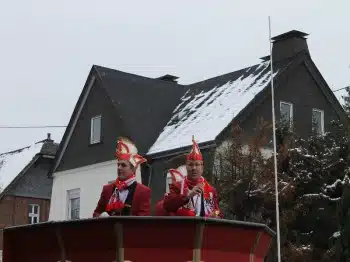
[(340, 250), (313, 191), (238, 170)]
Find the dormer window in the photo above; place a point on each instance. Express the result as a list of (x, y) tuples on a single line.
[(318, 121), (286, 114), (95, 132)]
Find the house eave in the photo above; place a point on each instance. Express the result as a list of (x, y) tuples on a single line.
[(180, 150), (93, 76), (27, 196), (327, 91), (24, 170)]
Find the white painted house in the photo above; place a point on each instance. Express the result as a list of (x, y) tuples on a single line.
[(161, 116), (81, 189)]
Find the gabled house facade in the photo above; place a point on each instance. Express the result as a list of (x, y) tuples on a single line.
[(161, 116), (25, 198)]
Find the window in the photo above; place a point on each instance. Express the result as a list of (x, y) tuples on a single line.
[(73, 204), (33, 214), (317, 121), (286, 112), (95, 132)]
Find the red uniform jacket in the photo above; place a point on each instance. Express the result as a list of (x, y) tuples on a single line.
[(174, 200), (160, 211), (139, 198)]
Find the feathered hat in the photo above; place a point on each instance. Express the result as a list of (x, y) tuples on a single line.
[(126, 150), (195, 153), (176, 177)]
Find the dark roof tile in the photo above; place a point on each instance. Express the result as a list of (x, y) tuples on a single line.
[(142, 102)]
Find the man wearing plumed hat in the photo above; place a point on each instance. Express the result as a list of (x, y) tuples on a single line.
[(188, 192), (125, 196)]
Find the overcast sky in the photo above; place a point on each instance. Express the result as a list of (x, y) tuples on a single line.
[(48, 48)]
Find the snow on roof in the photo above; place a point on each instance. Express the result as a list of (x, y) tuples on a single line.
[(207, 113), (11, 164)]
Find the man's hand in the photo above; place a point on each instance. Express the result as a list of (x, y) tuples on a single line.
[(104, 214), (198, 189)]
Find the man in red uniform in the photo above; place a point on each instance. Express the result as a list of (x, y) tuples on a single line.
[(125, 196), (193, 195), (174, 178)]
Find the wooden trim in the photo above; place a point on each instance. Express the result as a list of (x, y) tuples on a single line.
[(74, 119), (178, 151), (118, 229), (255, 245), (270, 244), (198, 242), (61, 245), (325, 89)]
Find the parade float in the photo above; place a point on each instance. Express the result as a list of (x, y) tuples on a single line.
[(138, 239)]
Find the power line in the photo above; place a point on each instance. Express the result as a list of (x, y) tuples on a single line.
[(18, 127), (14, 151), (341, 89), (18, 150)]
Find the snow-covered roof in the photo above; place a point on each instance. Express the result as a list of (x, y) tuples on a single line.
[(11, 164), (207, 109)]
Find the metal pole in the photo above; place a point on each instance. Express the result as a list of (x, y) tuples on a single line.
[(275, 150)]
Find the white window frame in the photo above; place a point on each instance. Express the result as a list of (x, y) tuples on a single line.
[(322, 118), (72, 194), (32, 214), (290, 112), (92, 140)]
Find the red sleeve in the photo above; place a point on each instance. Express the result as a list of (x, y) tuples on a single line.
[(145, 203), (174, 200), (159, 210), (216, 204), (101, 204)]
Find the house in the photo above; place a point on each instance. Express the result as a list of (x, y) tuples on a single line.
[(25, 198), (161, 115)]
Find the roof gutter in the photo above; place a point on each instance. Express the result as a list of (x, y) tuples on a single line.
[(180, 150)]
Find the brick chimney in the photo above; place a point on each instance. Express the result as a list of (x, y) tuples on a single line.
[(288, 44)]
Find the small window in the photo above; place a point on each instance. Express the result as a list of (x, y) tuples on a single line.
[(33, 214), (95, 132), (317, 121), (286, 112), (73, 204)]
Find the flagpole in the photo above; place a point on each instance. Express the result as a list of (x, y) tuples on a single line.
[(275, 151)]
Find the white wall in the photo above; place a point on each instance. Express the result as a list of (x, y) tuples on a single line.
[(90, 180)]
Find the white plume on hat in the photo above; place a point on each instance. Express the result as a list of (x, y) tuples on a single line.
[(179, 174), (126, 150)]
